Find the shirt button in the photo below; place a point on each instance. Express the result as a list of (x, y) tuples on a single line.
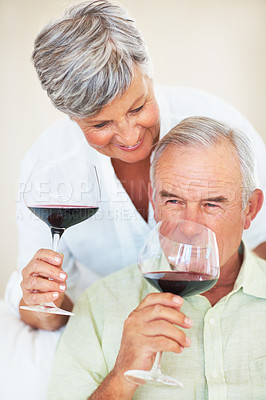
[(214, 375), (212, 321)]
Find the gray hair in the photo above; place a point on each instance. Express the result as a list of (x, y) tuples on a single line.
[(206, 132), (87, 57)]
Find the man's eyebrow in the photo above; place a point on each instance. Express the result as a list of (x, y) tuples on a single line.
[(165, 193), (218, 199), (215, 199)]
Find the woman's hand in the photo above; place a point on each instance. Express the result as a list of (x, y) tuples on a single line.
[(44, 281), (152, 327)]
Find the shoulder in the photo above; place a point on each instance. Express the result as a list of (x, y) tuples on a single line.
[(64, 135), (183, 102), (122, 281), (62, 139), (177, 103), (121, 291)]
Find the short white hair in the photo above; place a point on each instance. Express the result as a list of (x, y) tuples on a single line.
[(206, 132), (88, 57)]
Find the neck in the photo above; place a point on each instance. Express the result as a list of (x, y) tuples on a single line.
[(226, 281), (119, 164)]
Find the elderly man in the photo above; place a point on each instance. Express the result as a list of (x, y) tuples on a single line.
[(201, 171)]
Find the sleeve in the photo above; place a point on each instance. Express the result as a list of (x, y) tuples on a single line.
[(79, 365)]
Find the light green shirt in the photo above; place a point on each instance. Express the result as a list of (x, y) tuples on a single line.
[(227, 358)]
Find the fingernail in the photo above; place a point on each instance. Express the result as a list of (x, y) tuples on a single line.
[(177, 300), (55, 295), (62, 255), (57, 259), (188, 341), (62, 287), (188, 321), (62, 275)]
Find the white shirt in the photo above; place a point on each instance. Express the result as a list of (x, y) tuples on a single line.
[(113, 237)]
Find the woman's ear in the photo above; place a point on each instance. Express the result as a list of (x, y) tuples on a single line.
[(253, 207), (150, 193)]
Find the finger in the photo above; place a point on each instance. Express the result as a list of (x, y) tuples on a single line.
[(169, 314), (167, 299), (41, 268), (49, 256), (162, 343), (31, 298), (139, 318), (36, 283), (167, 330)]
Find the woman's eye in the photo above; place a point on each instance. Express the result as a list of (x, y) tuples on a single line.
[(100, 125), (136, 110)]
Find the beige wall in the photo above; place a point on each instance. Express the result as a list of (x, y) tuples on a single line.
[(215, 45)]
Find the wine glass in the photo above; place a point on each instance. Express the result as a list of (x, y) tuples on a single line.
[(180, 257), (61, 193)]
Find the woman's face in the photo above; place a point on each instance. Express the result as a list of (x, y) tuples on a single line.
[(126, 128)]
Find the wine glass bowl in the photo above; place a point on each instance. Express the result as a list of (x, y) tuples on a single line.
[(62, 193), (180, 257)]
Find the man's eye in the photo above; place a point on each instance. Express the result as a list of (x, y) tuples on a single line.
[(173, 202), (211, 205), (136, 110), (100, 125)]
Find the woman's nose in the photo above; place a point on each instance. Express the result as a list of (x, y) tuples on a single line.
[(128, 133)]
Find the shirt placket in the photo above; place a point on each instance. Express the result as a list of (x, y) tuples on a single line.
[(213, 348)]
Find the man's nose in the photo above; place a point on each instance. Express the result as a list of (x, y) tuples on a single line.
[(190, 229), (191, 214)]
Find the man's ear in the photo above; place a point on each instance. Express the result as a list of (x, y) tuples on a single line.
[(253, 207)]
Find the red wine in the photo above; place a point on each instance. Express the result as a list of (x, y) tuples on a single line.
[(62, 217), (180, 283)]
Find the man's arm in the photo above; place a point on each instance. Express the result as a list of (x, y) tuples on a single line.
[(114, 388)]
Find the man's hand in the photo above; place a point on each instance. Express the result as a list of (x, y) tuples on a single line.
[(153, 326)]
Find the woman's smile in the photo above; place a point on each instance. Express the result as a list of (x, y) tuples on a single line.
[(130, 148)]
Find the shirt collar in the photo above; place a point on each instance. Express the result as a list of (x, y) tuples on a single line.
[(252, 275)]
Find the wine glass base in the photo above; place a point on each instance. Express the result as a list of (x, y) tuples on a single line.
[(141, 377), (47, 309)]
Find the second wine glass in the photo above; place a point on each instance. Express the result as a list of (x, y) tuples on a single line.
[(180, 257), (62, 194)]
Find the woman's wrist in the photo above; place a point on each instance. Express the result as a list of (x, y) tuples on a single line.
[(46, 321)]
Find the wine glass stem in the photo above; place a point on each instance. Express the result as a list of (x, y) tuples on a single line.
[(56, 235), (157, 362)]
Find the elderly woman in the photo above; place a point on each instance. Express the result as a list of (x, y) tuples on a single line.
[(95, 68)]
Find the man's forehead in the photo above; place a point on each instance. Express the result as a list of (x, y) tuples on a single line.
[(199, 168)]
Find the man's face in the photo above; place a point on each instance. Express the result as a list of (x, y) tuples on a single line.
[(204, 186)]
